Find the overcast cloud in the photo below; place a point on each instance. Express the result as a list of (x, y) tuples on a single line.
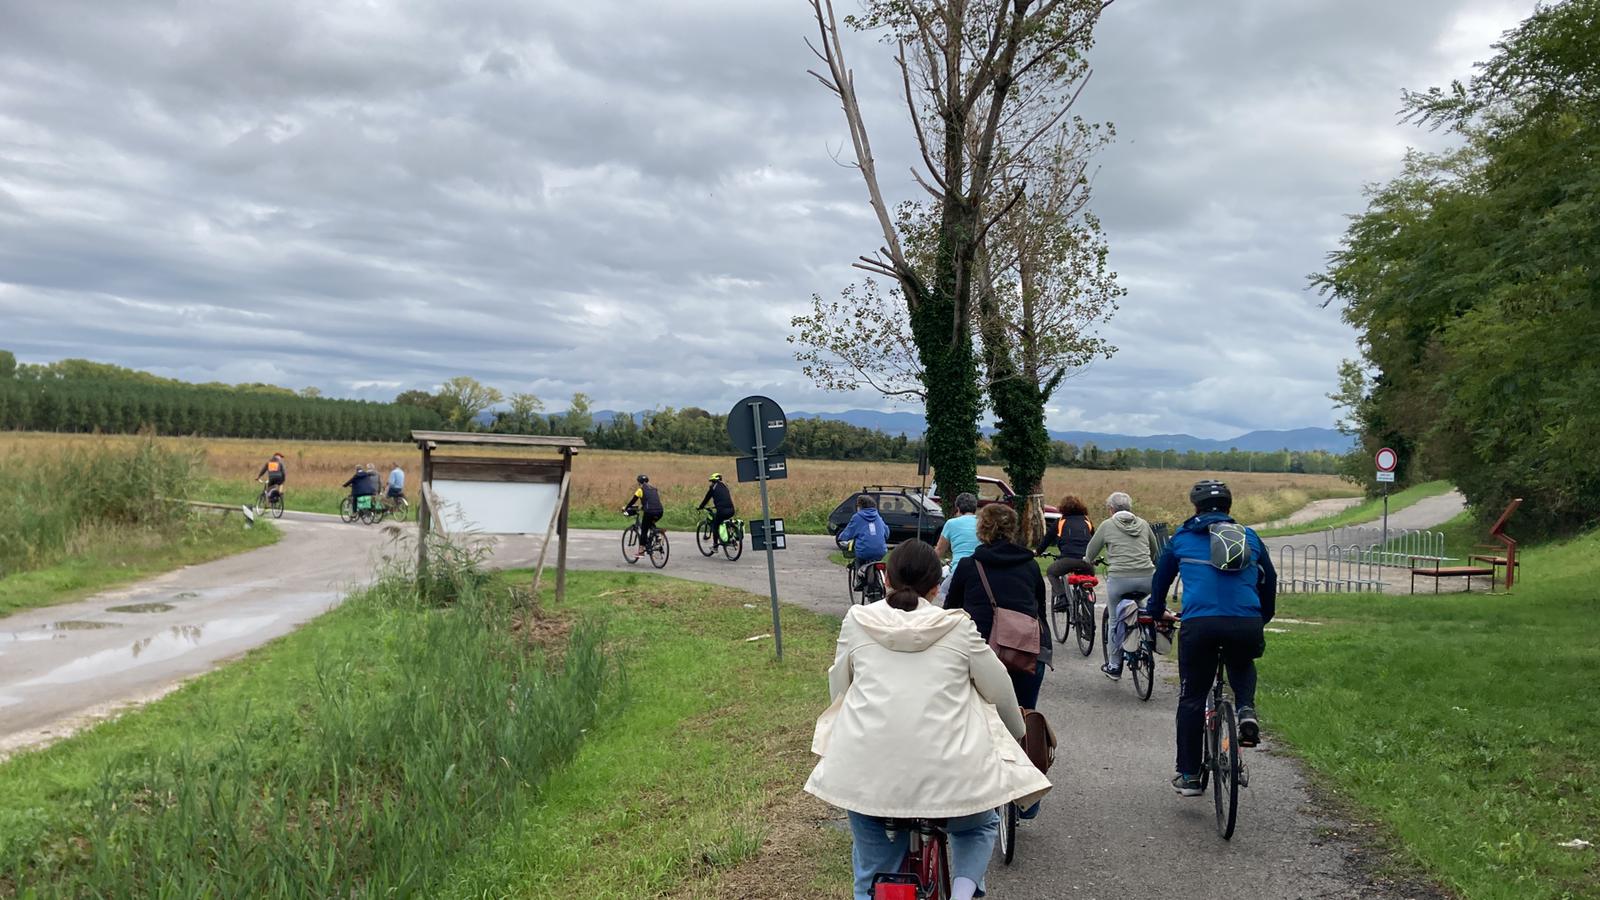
[(630, 199)]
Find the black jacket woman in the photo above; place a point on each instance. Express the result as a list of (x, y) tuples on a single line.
[(1017, 584)]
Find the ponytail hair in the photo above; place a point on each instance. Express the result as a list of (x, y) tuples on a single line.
[(914, 570)]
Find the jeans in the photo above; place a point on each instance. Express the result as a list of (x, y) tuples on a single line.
[(971, 844), (1027, 685), (1116, 587), (1236, 640)]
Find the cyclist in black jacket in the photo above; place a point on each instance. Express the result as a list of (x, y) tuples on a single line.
[(721, 500), (647, 501)]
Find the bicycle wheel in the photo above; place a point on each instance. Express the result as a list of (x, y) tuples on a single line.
[(733, 548), (1083, 612), (1225, 778), (1144, 671), (276, 504), (261, 504), (659, 549), (347, 510), (874, 589), (704, 539), (630, 543), (400, 510), (1060, 621), (1008, 832), (850, 584)]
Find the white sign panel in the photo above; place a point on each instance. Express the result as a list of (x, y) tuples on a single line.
[(1386, 476), (496, 507)]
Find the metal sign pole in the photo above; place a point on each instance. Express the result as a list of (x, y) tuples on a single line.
[(766, 519), (1385, 543)]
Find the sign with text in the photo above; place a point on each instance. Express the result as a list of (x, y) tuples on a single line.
[(1385, 477), (760, 537), (777, 467)]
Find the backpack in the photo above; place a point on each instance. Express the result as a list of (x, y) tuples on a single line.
[(1230, 547)]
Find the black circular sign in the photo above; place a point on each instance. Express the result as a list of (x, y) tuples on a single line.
[(742, 425)]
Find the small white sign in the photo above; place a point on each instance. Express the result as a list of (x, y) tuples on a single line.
[(1386, 476)]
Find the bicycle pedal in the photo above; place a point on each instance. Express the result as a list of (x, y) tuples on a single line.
[(1244, 775)]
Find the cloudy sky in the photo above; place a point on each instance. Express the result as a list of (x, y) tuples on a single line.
[(631, 198)]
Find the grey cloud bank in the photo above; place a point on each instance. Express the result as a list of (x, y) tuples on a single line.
[(631, 199)]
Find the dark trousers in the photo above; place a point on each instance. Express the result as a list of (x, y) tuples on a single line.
[(647, 527), (1063, 567), (1202, 643), (1027, 686)]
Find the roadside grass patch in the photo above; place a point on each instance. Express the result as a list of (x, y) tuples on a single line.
[(696, 782), (1365, 511), (356, 757), (1465, 722)]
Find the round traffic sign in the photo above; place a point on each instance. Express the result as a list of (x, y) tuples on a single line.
[(742, 424), (1387, 460)]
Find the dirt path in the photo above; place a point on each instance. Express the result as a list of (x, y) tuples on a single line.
[(1313, 511), (1111, 829)]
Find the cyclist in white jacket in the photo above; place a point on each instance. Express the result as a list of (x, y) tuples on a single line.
[(924, 724)]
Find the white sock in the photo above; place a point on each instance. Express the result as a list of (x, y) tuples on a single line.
[(963, 889)]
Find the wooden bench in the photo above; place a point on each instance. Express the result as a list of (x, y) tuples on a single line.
[(1438, 571)]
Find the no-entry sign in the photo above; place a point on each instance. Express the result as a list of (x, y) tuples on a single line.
[(1387, 460)]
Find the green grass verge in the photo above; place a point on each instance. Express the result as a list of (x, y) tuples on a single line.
[(687, 783), (687, 789), (244, 493), (1364, 512), (114, 556), (1463, 722)]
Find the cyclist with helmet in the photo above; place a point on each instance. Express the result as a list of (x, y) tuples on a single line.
[(646, 500), (1230, 592), (721, 500), (274, 474)]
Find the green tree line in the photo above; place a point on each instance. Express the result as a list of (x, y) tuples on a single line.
[(1472, 278)]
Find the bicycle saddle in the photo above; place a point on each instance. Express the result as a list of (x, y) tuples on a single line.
[(1089, 580)]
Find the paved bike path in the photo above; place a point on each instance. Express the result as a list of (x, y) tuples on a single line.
[(1112, 827)]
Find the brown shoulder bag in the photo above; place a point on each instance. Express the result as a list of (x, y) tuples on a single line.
[(1014, 636)]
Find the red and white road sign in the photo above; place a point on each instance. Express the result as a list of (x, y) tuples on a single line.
[(1387, 460)]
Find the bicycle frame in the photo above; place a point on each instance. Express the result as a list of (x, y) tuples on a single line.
[(925, 856)]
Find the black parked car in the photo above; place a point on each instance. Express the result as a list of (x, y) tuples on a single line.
[(904, 509)]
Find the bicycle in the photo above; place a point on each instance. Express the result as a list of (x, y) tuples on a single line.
[(660, 549), (367, 508), (1082, 588), (926, 869), (270, 500), (709, 542), (397, 508), (1221, 764), (865, 585), (1142, 658)]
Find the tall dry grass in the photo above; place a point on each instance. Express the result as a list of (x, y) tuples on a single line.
[(604, 479)]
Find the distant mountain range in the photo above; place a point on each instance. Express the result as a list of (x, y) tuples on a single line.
[(911, 425)]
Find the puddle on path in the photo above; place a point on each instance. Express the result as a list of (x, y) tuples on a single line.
[(186, 595), (141, 608), (166, 644), (54, 631), (81, 625)]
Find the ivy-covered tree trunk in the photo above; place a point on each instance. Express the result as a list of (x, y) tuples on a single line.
[(1021, 438), (943, 334)]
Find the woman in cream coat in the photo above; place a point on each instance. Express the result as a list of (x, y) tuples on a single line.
[(924, 724)]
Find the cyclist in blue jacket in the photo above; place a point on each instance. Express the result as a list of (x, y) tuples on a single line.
[(1230, 592), (867, 537)]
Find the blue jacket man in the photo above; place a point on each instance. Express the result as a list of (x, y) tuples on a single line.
[(1230, 592), (867, 529)]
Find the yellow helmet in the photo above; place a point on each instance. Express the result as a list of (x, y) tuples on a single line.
[(716, 476)]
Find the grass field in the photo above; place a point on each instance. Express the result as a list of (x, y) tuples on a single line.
[(391, 747), (604, 480), (1465, 723), (1366, 511)]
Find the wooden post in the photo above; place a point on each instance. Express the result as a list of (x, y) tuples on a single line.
[(556, 516), (561, 525), (424, 512)]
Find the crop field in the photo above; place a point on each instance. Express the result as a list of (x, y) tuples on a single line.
[(604, 480)]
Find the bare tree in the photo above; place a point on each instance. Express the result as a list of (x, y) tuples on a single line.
[(860, 339), (971, 71)]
